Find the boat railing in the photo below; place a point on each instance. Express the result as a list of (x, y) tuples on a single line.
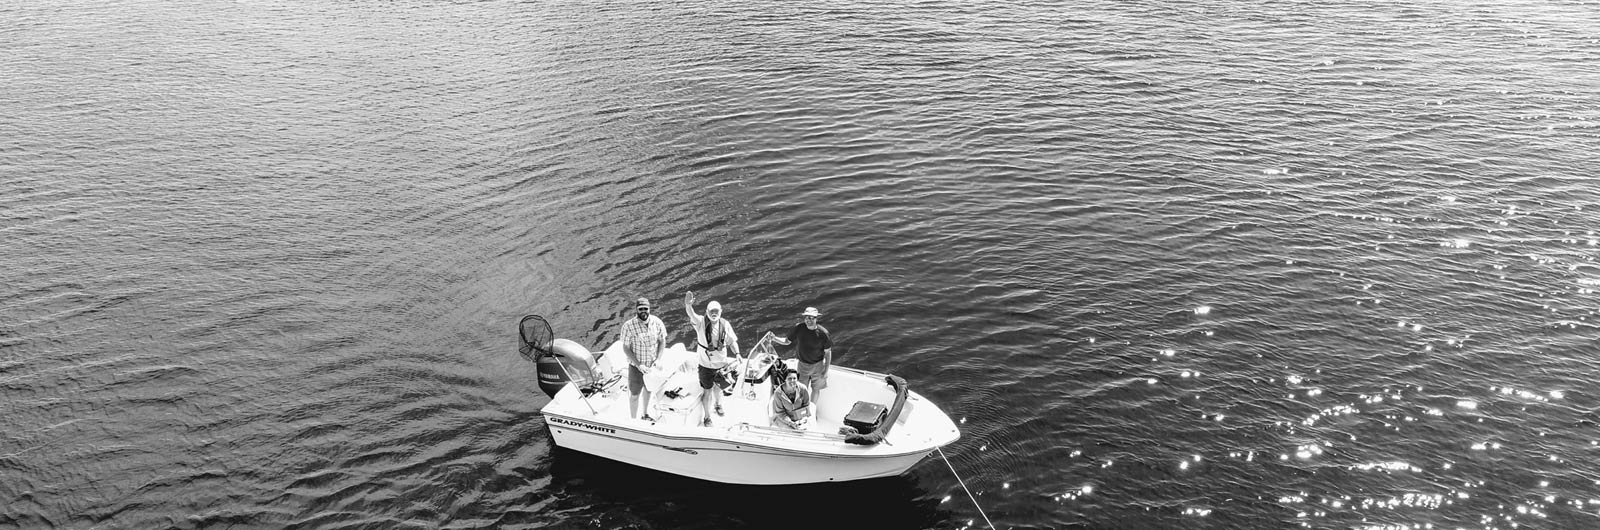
[(792, 433), (868, 373)]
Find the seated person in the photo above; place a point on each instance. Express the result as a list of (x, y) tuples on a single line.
[(791, 404)]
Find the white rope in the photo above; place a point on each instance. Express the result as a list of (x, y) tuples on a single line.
[(964, 487)]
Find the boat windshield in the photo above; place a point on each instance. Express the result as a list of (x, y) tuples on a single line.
[(763, 347)]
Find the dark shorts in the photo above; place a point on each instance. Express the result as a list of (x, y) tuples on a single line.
[(708, 377), (635, 380)]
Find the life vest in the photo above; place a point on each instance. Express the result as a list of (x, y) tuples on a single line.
[(715, 345)]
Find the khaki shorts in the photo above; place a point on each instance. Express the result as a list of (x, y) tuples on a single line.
[(814, 376)]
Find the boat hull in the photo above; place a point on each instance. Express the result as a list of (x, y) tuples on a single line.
[(726, 461), (742, 446)]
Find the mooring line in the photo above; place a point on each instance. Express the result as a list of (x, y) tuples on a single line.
[(964, 487)]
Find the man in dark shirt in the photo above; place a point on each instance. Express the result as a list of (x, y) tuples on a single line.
[(814, 348)]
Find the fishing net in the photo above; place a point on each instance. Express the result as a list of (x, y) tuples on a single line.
[(536, 337)]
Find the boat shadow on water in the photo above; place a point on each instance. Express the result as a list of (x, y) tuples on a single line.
[(659, 500)]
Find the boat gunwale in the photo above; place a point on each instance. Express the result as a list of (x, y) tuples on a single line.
[(782, 441), (733, 435), (736, 444)]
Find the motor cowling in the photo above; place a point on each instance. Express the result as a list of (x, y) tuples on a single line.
[(560, 361), (567, 362)]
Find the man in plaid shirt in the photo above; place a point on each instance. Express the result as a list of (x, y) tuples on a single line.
[(643, 340)]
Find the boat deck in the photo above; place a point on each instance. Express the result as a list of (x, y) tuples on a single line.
[(748, 405)]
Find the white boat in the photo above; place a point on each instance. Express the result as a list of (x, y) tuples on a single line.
[(899, 427)]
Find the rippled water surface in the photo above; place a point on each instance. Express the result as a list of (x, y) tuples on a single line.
[(1183, 264)]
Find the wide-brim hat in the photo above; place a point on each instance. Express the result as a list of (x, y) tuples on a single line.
[(811, 312)]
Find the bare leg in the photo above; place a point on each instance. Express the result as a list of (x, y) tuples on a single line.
[(705, 403)]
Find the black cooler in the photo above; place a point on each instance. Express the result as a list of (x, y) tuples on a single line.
[(865, 417)]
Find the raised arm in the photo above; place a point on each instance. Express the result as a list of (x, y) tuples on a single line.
[(688, 307)]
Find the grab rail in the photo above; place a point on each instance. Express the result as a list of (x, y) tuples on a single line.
[(783, 431)]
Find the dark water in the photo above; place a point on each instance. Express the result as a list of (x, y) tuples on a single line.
[(1192, 264)]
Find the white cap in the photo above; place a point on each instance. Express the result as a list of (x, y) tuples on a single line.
[(713, 306)]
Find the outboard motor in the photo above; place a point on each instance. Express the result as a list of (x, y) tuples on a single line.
[(560, 361)]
